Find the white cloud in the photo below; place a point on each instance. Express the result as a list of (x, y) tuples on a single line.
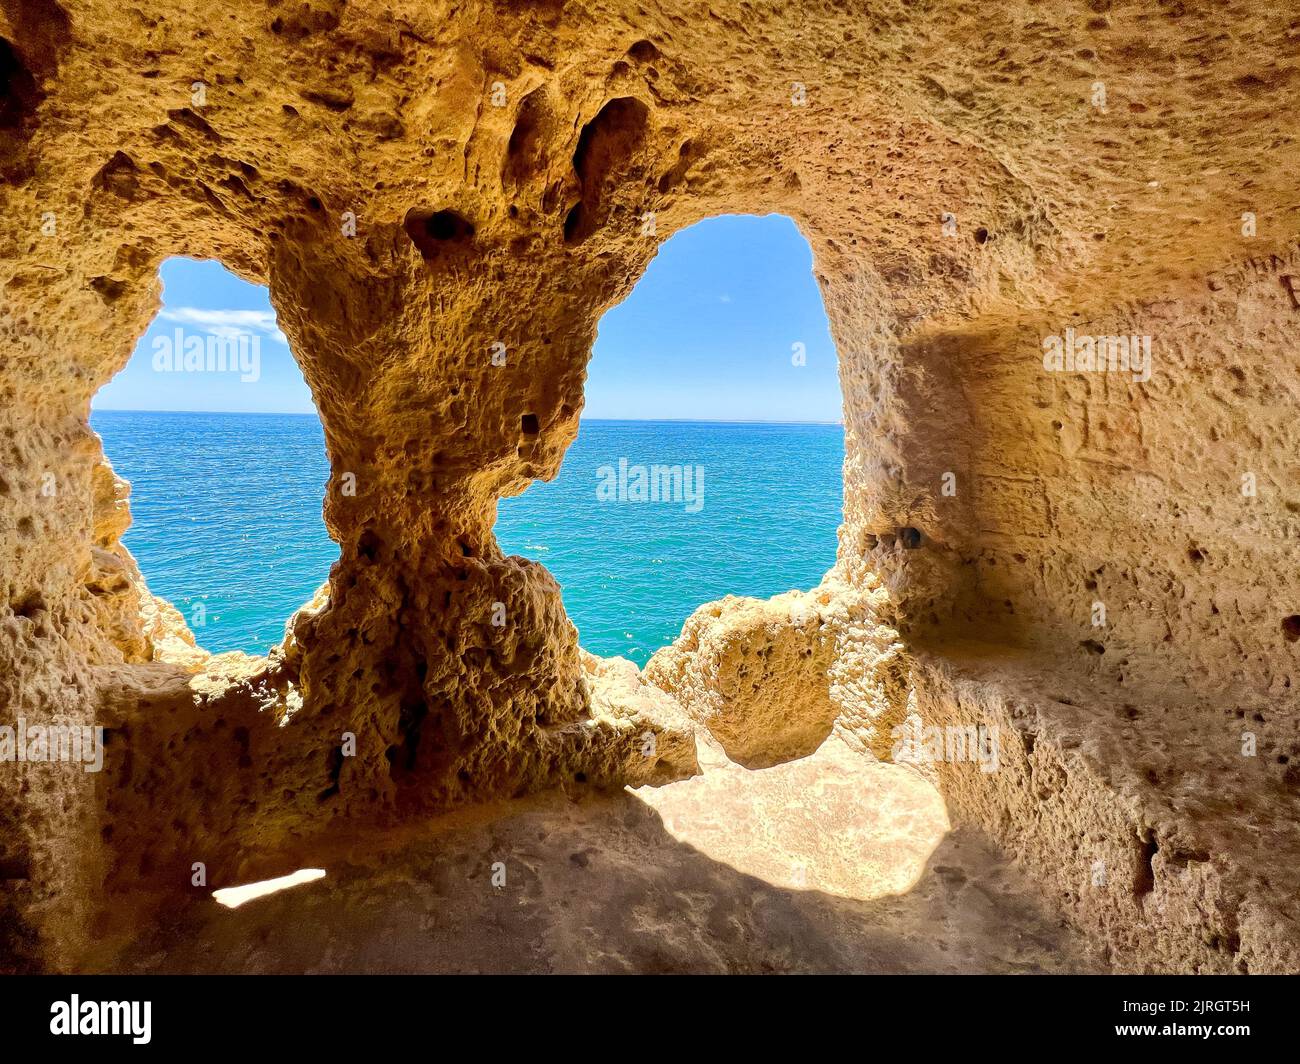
[(227, 322)]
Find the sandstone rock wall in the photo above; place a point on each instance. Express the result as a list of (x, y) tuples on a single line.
[(962, 188), (1137, 812), (1171, 504)]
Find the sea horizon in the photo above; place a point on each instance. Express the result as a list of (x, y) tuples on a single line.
[(604, 420)]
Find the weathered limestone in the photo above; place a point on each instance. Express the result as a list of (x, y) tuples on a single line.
[(770, 680), (421, 902), (985, 497), (754, 674), (1136, 809)]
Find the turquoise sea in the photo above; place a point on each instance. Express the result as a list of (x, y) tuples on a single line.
[(227, 512)]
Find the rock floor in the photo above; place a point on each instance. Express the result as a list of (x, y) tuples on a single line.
[(828, 864)]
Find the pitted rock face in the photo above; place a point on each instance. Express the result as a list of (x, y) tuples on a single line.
[(444, 199)]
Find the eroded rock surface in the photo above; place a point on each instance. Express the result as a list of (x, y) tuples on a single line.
[(510, 170), (662, 879), (754, 674)]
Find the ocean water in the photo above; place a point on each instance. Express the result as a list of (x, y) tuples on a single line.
[(227, 513), (632, 572)]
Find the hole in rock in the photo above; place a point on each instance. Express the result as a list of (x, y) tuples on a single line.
[(213, 427), (721, 361), (525, 152), (1291, 628), (572, 221), (644, 51), (28, 606), (1144, 880), (708, 459), (369, 545), (234, 897), (18, 93), (606, 156), (15, 868), (910, 538), (439, 233)]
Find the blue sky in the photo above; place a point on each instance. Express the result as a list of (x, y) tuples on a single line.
[(707, 334), (203, 298)]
